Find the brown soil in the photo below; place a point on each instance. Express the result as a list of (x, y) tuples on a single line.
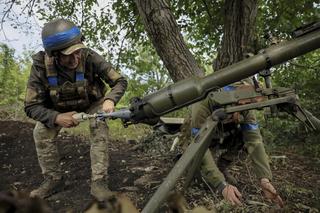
[(137, 173)]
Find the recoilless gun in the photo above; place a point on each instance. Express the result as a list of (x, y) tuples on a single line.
[(194, 89)]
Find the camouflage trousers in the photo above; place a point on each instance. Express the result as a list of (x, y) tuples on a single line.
[(252, 147), (251, 141), (47, 151)]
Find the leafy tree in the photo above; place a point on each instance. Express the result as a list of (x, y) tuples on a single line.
[(13, 77), (8, 71), (301, 74), (147, 75)]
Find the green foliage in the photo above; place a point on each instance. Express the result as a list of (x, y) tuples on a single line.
[(147, 75), (303, 75), (13, 77), (282, 17), (116, 129), (148, 72)]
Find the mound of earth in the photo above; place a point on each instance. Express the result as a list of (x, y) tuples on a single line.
[(138, 172)]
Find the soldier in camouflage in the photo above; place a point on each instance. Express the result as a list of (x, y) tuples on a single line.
[(243, 132), (68, 78)]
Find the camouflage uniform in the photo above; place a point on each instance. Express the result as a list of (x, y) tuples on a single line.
[(40, 105), (251, 140)]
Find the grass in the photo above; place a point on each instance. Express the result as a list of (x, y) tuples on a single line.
[(116, 130)]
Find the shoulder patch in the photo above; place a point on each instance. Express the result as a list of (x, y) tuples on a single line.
[(31, 95)]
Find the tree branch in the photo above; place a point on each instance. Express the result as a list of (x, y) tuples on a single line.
[(4, 16), (26, 6), (122, 42)]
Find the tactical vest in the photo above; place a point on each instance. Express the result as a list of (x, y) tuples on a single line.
[(69, 96)]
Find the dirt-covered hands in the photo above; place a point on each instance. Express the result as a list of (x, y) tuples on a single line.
[(232, 194), (270, 192)]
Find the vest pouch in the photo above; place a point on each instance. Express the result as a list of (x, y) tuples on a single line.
[(71, 96), (82, 88), (95, 93), (68, 91)]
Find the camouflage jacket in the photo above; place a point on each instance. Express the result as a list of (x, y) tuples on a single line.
[(97, 72)]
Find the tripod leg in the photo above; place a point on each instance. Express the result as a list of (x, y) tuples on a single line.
[(206, 138), (194, 149)]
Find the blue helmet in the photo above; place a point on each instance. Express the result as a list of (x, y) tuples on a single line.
[(59, 34)]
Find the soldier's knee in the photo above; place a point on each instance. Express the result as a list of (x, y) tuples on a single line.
[(99, 140), (99, 130), (253, 145)]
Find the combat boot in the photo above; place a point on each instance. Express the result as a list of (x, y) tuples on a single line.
[(48, 187), (223, 165), (100, 190)]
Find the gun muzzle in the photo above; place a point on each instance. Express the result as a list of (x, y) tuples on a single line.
[(123, 114)]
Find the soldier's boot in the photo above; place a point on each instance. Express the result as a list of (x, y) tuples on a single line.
[(100, 190), (48, 187), (223, 165), (48, 157)]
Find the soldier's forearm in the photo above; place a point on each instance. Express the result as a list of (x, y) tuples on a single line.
[(210, 171), (42, 114), (260, 162), (117, 90)]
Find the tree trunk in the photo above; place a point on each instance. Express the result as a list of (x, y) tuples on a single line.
[(239, 25), (167, 39)]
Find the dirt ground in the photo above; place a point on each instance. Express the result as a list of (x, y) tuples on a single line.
[(137, 173)]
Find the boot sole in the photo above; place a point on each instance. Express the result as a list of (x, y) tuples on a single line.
[(52, 192)]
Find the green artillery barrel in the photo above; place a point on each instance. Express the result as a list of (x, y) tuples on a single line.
[(186, 92)]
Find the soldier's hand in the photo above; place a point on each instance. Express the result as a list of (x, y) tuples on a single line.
[(108, 106), (66, 120), (232, 194), (270, 192)]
